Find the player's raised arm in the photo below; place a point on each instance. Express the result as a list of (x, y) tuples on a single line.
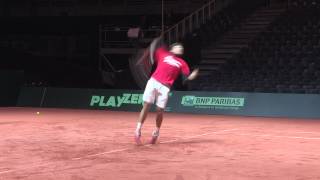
[(149, 52)]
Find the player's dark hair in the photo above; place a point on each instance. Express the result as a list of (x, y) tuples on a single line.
[(175, 44)]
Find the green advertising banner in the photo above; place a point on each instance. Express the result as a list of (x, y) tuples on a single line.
[(207, 102), (116, 101), (122, 100), (224, 103)]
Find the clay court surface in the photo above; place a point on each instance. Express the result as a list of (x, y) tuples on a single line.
[(84, 144)]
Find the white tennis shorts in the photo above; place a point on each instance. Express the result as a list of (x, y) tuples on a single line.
[(155, 91)]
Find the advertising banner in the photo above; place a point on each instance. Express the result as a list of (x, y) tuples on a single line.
[(223, 103)]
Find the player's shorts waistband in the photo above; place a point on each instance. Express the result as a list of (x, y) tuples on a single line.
[(153, 79)]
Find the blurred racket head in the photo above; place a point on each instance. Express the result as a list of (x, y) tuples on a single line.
[(141, 64)]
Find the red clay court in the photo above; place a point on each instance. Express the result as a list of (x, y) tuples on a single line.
[(88, 144)]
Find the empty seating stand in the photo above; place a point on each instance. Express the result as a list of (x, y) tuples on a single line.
[(283, 59)]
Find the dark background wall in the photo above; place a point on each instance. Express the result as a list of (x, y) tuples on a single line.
[(10, 83), (56, 43)]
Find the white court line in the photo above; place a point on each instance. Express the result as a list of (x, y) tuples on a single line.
[(25, 168), (7, 171), (277, 136), (115, 151), (146, 145), (102, 153), (308, 132), (199, 135), (291, 132)]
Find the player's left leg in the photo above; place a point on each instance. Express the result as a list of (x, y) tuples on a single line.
[(159, 118), (148, 98), (162, 99), (142, 116)]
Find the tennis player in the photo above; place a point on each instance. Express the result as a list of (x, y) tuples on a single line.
[(169, 65)]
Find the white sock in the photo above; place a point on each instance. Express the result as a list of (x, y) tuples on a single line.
[(138, 130), (139, 125)]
